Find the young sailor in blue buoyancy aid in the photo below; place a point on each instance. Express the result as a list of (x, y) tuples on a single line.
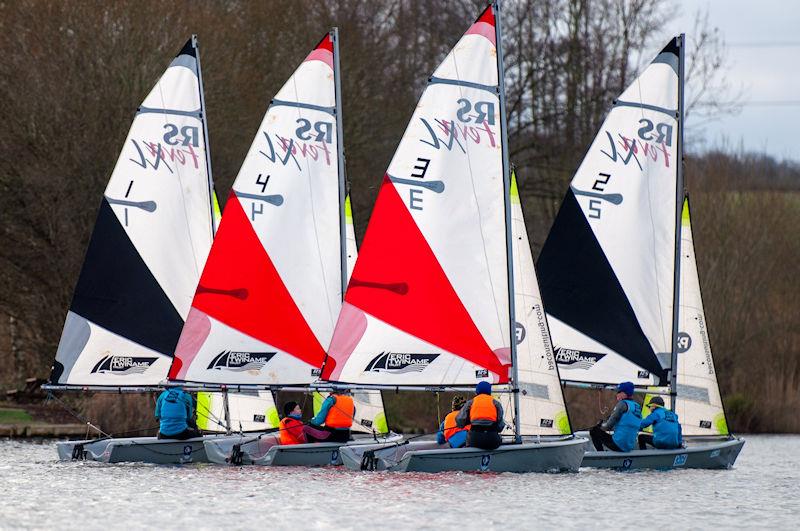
[(175, 414), (484, 415), (449, 432), (624, 420), (667, 433)]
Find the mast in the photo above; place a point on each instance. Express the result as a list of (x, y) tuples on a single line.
[(679, 195), (507, 201), (340, 151), (205, 135)]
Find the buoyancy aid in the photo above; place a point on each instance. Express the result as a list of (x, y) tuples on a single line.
[(288, 426), (341, 414), (483, 408), (626, 430), (667, 429), (450, 426)]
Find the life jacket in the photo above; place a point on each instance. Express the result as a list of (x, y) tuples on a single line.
[(666, 429), (174, 414), (482, 408), (626, 431), (286, 425), (450, 426), (341, 413)]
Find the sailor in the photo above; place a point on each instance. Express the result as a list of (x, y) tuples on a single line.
[(449, 432), (175, 415), (291, 426), (484, 415), (667, 434), (332, 423), (624, 420)]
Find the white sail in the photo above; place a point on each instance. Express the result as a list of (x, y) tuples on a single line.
[(541, 400), (350, 237), (428, 299), (249, 411), (607, 268), (149, 244), (271, 290), (699, 403)]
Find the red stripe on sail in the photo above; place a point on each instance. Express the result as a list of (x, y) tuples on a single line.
[(398, 280), (323, 52), (484, 26), (241, 288)]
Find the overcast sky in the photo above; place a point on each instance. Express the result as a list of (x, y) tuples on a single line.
[(763, 38)]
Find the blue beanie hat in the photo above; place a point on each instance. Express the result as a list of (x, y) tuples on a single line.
[(626, 387), (483, 388)]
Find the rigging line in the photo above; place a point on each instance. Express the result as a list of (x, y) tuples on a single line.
[(478, 208), (316, 227), (51, 396)]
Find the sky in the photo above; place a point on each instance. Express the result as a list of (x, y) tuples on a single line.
[(763, 64)]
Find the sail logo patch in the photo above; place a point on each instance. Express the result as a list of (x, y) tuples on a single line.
[(238, 361), (400, 362), (123, 365), (684, 342), (546, 423), (577, 359), (706, 424)]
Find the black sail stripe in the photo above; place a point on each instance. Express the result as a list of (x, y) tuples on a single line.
[(117, 291), (580, 288)]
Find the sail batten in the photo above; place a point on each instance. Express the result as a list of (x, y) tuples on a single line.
[(150, 241)]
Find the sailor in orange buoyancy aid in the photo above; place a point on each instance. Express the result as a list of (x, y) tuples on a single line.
[(449, 432), (484, 414), (332, 423), (291, 426)]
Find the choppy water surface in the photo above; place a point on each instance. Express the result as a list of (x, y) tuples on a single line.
[(40, 492)]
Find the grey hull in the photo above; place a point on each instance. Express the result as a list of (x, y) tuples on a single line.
[(533, 455), (265, 450), (136, 450), (710, 455)]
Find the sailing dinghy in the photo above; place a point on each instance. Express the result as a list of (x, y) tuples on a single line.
[(270, 291), (153, 232), (432, 300), (619, 277)]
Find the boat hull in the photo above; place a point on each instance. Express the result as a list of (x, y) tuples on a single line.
[(136, 450), (266, 450), (707, 455), (563, 455)]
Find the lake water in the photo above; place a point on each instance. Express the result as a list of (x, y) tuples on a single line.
[(763, 490)]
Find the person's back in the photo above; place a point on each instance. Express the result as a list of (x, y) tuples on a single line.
[(667, 433), (333, 421), (484, 415), (175, 412), (449, 431)]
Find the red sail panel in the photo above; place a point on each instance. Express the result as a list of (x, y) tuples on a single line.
[(398, 280), (241, 288)]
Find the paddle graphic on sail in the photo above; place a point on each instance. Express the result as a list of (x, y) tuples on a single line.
[(607, 268), (271, 289), (428, 299), (699, 403), (149, 243)]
